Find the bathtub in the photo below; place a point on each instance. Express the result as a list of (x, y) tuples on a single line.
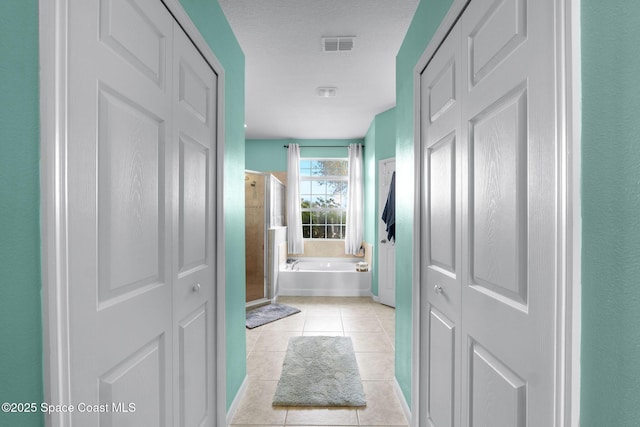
[(324, 277)]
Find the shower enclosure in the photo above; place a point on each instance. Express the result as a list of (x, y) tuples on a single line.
[(264, 210)]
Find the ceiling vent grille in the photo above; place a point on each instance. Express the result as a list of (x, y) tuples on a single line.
[(327, 92), (337, 44)]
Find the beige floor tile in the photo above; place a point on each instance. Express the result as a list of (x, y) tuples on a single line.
[(389, 326), (294, 322), (370, 342), (376, 366), (256, 405), (323, 323), (265, 365), (384, 311), (356, 310), (371, 327), (293, 300), (274, 340), (322, 416), (361, 324), (323, 310), (383, 407), (323, 334), (252, 336)]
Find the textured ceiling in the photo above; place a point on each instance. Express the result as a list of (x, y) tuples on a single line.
[(285, 64)]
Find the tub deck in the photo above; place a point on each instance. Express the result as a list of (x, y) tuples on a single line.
[(324, 277)]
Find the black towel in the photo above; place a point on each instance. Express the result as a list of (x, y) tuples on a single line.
[(389, 212)]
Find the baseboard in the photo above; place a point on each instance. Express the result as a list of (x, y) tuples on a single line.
[(375, 298), (403, 401), (236, 401)]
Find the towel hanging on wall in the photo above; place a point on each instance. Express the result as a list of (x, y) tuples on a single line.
[(389, 212)]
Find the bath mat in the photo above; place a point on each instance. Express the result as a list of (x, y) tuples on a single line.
[(320, 371), (268, 313)]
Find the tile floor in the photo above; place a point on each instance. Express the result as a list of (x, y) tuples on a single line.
[(371, 327)]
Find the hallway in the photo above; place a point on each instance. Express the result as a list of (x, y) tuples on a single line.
[(371, 327)]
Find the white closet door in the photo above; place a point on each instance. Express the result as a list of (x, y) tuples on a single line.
[(490, 164), (194, 137), (119, 219), (441, 263), (141, 218), (509, 232)]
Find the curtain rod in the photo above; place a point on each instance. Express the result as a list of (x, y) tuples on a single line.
[(323, 146)]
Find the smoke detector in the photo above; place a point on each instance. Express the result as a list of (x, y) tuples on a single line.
[(327, 92), (337, 44)]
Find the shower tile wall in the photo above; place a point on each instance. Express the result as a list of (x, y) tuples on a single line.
[(254, 231)]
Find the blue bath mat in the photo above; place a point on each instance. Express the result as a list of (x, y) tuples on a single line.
[(268, 313)]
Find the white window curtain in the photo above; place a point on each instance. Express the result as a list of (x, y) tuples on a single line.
[(355, 202), (295, 244)]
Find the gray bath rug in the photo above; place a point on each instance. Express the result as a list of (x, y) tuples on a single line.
[(268, 313), (320, 371)]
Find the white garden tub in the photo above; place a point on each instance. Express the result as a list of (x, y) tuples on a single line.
[(324, 277)]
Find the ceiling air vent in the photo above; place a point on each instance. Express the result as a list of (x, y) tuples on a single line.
[(337, 44), (327, 92)]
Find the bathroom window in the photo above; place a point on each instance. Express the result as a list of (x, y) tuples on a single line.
[(323, 194)]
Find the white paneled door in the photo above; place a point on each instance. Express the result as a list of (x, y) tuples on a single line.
[(141, 229), (387, 249), (489, 211), (441, 222)]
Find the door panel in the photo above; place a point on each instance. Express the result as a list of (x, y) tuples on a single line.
[(132, 31), (131, 194), (440, 239), (192, 215), (501, 29), (193, 354), (195, 131), (498, 397), (442, 369), (498, 198), (118, 388), (509, 283), (441, 159)]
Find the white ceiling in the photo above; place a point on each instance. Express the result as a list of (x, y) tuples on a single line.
[(285, 64)]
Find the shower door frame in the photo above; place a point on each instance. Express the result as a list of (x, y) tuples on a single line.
[(266, 297)]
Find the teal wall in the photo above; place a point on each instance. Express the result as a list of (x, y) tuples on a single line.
[(21, 377), (611, 213), (269, 155), (380, 141), (425, 22), (210, 20)]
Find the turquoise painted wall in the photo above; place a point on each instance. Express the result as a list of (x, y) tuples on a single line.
[(213, 25), (428, 16), (611, 213), (269, 155), (21, 376)]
